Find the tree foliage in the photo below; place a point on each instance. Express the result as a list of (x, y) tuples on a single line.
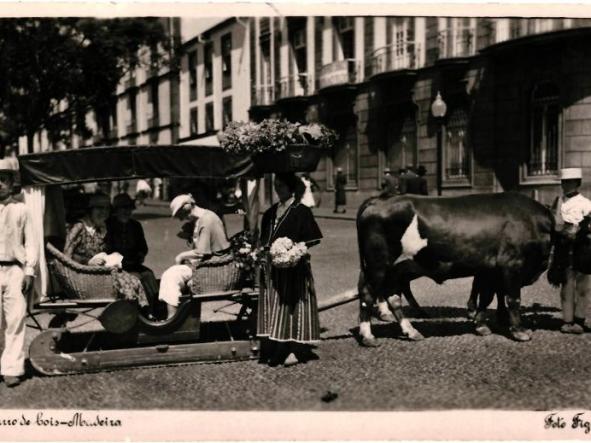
[(53, 70)]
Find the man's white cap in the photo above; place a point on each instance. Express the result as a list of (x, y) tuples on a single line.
[(571, 173), (179, 201), (8, 164)]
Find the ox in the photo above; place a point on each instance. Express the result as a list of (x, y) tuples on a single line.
[(503, 240)]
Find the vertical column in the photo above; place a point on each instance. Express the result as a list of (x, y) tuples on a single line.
[(359, 48), (257, 53), (271, 81), (420, 41), (284, 56), (310, 55), (379, 32), (327, 41), (502, 27)]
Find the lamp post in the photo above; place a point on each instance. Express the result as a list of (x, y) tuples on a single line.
[(438, 110)]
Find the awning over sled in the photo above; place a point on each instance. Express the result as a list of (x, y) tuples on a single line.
[(129, 162)]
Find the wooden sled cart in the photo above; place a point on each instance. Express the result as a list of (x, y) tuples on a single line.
[(129, 338)]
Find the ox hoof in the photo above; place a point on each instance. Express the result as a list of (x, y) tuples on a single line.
[(415, 336), (471, 314), (521, 334), (386, 317), (369, 342), (483, 330)]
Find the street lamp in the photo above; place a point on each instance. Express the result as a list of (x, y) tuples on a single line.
[(438, 110)]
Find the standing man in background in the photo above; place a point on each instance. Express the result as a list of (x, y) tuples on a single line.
[(389, 183), (18, 258), (340, 196)]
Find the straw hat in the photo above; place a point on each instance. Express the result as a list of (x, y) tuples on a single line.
[(571, 174), (8, 165), (179, 201)]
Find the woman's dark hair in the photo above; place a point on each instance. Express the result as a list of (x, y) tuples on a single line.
[(293, 182)]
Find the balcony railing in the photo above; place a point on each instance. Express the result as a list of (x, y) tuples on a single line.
[(401, 55), (131, 128), (457, 42), (263, 95), (295, 86), (153, 122), (113, 134), (130, 82), (341, 72), (458, 170)]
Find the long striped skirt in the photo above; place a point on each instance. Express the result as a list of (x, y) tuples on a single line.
[(287, 307)]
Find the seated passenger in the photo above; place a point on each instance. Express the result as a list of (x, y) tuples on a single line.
[(209, 238), (86, 244), (126, 236)]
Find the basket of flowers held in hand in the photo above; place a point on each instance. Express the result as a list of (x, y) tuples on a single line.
[(285, 253), (279, 145)]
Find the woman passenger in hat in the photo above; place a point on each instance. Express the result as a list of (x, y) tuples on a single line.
[(570, 210), (126, 236), (86, 243)]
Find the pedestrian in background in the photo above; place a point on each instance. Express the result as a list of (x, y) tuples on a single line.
[(308, 197), (340, 195), (410, 182), (18, 258), (423, 187), (570, 209), (287, 317), (389, 184), (142, 192)]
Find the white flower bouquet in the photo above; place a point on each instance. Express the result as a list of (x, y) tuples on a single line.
[(285, 253)]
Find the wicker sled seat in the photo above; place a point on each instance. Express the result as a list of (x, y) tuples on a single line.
[(218, 273), (80, 281)]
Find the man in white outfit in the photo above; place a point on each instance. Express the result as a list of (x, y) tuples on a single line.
[(209, 237), (18, 258), (570, 209)]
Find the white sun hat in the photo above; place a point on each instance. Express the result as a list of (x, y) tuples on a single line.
[(179, 201), (571, 173), (8, 164)]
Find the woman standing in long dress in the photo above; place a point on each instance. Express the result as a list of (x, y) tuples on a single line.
[(288, 311)]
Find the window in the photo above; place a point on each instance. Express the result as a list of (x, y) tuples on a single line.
[(153, 105), (227, 61), (193, 123), (402, 144), (113, 120), (345, 154), (192, 75), (457, 157), (518, 27), (545, 121), (208, 68), (227, 111), (403, 53), (132, 112), (346, 37), (209, 117), (298, 42)]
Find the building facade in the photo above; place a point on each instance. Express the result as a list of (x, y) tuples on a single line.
[(517, 95)]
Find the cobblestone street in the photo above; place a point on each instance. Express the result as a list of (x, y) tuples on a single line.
[(451, 369)]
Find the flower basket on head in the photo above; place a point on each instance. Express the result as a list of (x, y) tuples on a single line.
[(278, 145), (294, 158)]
